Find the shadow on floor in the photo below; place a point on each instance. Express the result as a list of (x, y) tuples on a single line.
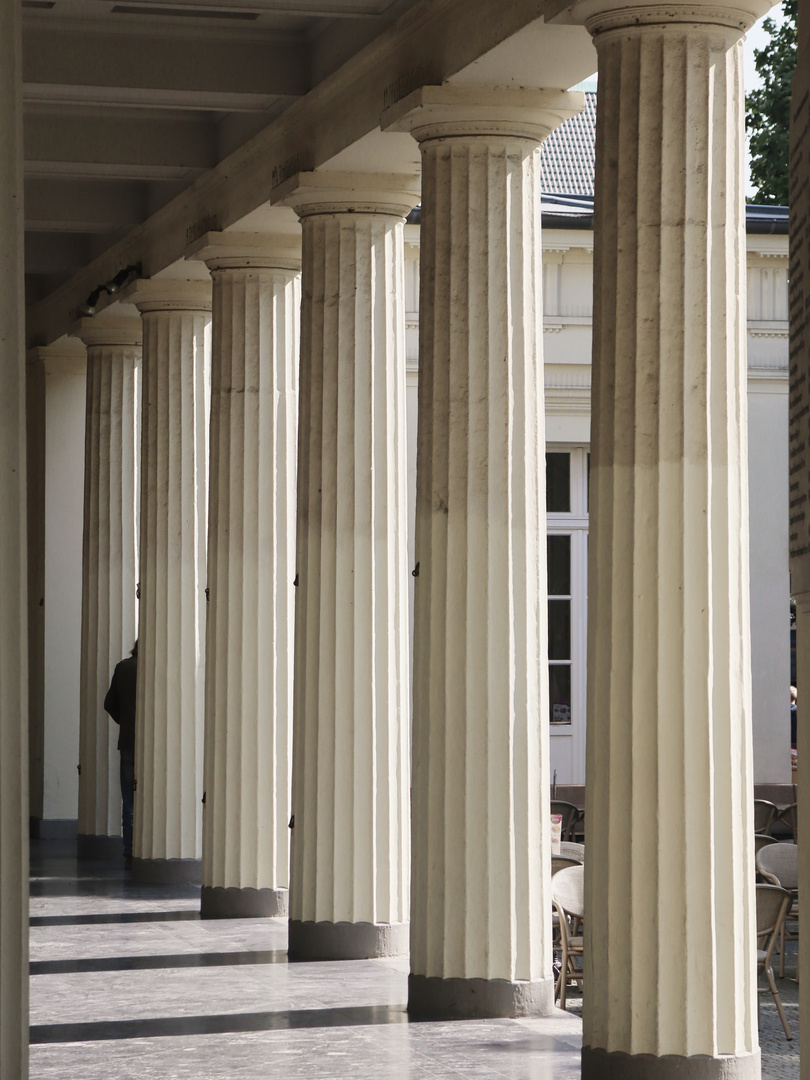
[(185, 914), (138, 963), (360, 1016)]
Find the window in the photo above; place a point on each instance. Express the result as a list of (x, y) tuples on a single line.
[(567, 554)]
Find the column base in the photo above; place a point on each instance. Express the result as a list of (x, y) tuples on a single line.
[(99, 847), (346, 941), (218, 902), (167, 871), (603, 1065), (468, 999)]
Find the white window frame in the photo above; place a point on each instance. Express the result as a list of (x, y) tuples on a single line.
[(568, 740)]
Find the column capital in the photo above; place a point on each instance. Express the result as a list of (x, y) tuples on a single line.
[(168, 294), (66, 354), (308, 193), (599, 16), (110, 331), (438, 112), (245, 251)]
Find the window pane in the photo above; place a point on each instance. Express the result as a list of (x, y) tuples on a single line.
[(558, 483), (559, 565), (559, 693), (559, 629)]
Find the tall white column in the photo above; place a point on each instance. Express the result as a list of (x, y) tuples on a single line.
[(251, 566), (349, 864), (13, 624), (480, 898), (109, 564), (171, 625), (670, 960)]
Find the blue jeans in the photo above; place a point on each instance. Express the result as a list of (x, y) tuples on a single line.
[(127, 797)]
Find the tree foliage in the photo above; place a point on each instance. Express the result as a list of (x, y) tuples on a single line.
[(767, 119)]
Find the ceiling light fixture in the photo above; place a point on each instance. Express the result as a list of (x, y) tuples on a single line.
[(111, 287)]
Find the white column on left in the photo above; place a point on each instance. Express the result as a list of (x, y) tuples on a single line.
[(176, 318), (13, 633), (251, 566), (349, 854), (109, 564)]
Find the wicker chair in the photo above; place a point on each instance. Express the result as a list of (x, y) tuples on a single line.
[(568, 893), (762, 840), (570, 816), (779, 865), (570, 850), (773, 904), (764, 815), (562, 862), (788, 817)]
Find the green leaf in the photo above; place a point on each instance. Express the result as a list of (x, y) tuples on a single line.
[(767, 119)]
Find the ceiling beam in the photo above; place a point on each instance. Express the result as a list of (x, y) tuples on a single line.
[(59, 253), (159, 147), (82, 61), (313, 9), (83, 206)]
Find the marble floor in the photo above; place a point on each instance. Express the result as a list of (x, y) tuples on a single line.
[(127, 981)]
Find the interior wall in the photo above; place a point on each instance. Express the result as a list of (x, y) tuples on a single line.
[(769, 578), (65, 387), (35, 469)]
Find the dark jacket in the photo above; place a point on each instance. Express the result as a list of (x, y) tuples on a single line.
[(120, 701)]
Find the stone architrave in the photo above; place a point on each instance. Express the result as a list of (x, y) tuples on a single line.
[(480, 894), (251, 566), (109, 564), (349, 856), (670, 962), (176, 315), (13, 581)]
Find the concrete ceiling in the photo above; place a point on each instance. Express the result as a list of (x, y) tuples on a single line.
[(148, 123), (126, 104)]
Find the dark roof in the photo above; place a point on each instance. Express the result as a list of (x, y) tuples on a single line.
[(576, 212), (567, 155), (766, 219)]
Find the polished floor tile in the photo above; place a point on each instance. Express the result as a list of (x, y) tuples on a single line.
[(128, 982)]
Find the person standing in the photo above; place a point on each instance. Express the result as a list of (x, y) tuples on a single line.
[(120, 704), (793, 717)]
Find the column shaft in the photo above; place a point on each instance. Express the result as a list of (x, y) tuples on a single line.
[(171, 625), (480, 894), (249, 663), (349, 866), (109, 570), (670, 965), (13, 631)]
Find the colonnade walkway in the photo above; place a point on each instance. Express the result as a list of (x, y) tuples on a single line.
[(128, 982)]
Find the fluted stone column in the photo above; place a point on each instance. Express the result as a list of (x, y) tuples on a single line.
[(109, 565), (670, 960), (13, 632), (480, 895), (251, 566), (349, 860), (171, 626)]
